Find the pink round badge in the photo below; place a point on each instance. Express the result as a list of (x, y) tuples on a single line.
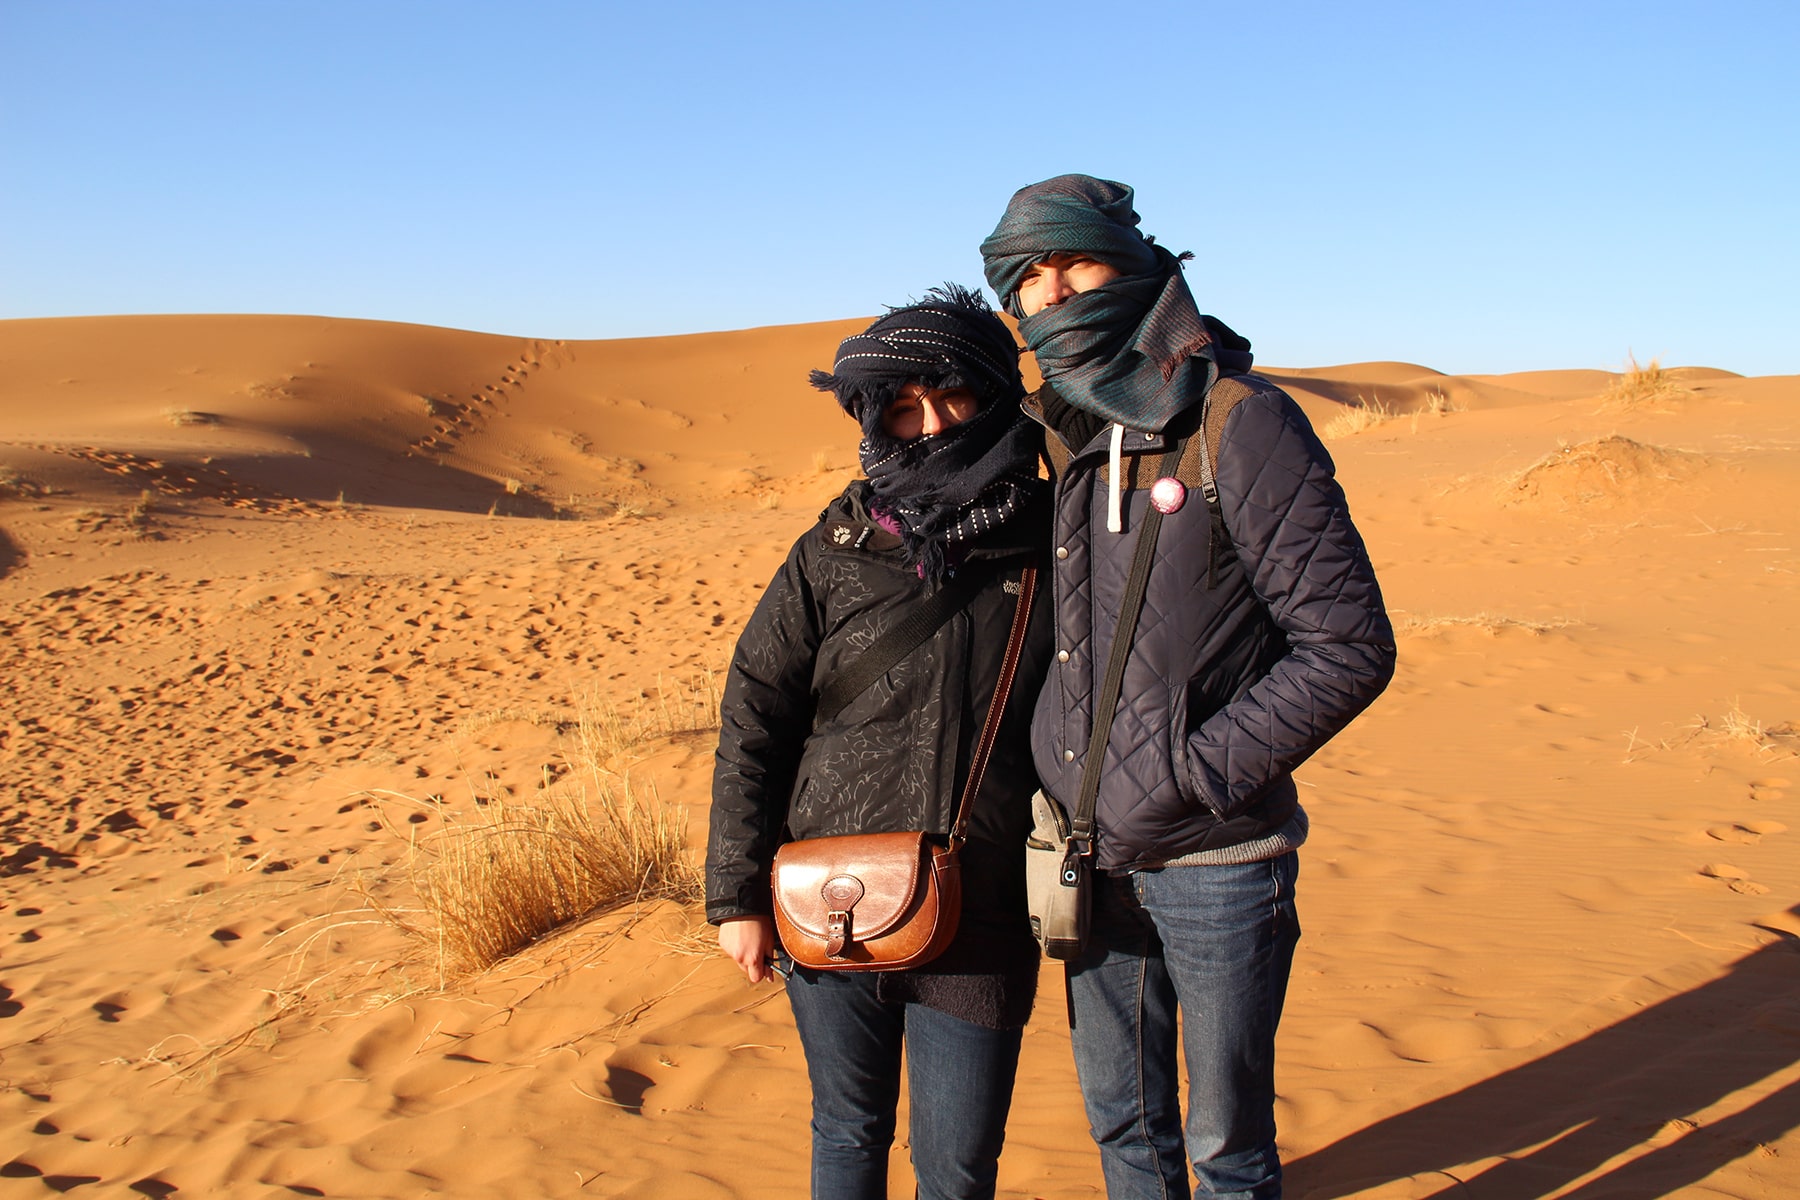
[(1168, 495)]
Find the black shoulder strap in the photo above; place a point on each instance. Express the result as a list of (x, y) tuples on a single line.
[(899, 641), (1081, 828)]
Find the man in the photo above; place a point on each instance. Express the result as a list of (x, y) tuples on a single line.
[(1262, 634)]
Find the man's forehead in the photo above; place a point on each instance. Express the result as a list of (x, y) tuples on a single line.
[(1057, 258)]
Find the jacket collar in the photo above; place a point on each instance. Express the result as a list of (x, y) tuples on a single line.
[(1041, 404)]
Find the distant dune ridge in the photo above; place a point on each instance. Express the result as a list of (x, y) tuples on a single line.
[(281, 595)]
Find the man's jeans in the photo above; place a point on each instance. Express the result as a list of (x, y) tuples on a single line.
[(959, 1076), (1215, 944)]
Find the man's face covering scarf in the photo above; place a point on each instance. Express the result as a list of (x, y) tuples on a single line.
[(946, 488), (1126, 350)]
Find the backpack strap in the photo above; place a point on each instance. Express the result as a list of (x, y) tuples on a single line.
[(1056, 453), (1197, 467)]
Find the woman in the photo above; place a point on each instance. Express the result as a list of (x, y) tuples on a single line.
[(952, 489)]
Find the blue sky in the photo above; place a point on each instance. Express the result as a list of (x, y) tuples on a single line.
[(1477, 188)]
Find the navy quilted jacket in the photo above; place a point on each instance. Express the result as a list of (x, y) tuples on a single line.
[(1233, 681)]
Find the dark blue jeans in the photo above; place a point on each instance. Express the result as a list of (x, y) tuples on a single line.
[(1199, 956), (959, 1077)]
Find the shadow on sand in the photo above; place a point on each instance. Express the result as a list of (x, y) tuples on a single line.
[(1627, 1092), (11, 555)]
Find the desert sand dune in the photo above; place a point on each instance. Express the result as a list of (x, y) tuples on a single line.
[(281, 596), (312, 410)]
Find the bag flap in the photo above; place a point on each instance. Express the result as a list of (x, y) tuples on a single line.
[(1049, 823), (887, 865)]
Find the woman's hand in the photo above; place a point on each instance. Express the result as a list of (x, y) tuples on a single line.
[(750, 943)]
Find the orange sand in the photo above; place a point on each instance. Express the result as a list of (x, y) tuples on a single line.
[(1552, 901)]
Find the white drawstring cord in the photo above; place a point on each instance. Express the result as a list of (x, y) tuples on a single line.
[(1114, 521)]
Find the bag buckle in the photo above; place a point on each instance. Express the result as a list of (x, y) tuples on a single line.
[(841, 891), (837, 932)]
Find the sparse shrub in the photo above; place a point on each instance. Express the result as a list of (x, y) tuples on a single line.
[(271, 390), (1365, 416), (187, 416), (542, 717), (1739, 729), (14, 486), (1736, 730), (137, 517), (504, 873), (608, 734), (1641, 387), (1439, 403), (1492, 624)]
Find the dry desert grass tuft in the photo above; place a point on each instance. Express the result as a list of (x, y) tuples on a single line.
[(1367, 415), (1735, 730), (504, 873), (1372, 412), (137, 517), (689, 705), (1491, 624), (1641, 387), (14, 486), (1739, 729)]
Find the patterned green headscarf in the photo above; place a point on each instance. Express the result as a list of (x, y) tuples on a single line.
[(1134, 350)]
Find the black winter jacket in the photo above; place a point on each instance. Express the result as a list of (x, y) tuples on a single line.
[(1234, 681), (896, 757)]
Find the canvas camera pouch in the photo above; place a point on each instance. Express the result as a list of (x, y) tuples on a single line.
[(1058, 885), (867, 901)]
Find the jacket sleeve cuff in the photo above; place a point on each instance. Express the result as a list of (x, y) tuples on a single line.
[(718, 911)]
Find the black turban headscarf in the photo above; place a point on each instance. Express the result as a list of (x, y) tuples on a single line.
[(1133, 350), (947, 488)]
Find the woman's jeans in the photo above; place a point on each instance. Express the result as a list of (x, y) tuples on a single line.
[(959, 1079), (1213, 944)]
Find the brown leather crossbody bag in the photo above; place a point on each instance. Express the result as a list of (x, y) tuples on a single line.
[(888, 901)]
